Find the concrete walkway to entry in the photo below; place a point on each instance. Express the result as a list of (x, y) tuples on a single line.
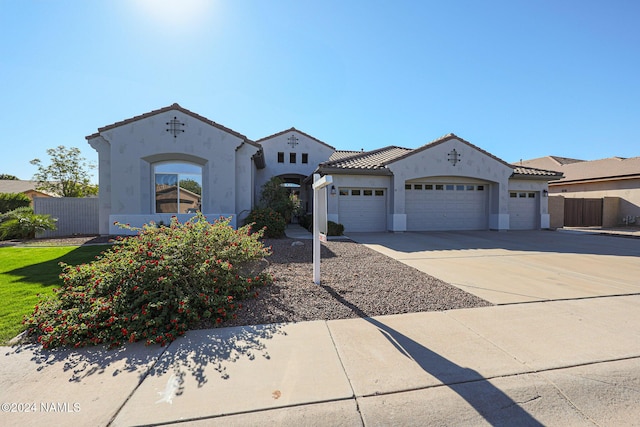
[(518, 266)]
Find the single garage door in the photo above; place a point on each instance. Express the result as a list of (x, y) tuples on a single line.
[(436, 206), (362, 209), (523, 206)]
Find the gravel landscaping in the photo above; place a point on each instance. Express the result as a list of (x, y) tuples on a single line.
[(356, 282)]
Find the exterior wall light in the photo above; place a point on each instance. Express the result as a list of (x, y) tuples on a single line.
[(545, 193), (333, 190)]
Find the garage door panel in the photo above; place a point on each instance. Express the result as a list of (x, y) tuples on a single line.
[(362, 213), (523, 208), (462, 208)]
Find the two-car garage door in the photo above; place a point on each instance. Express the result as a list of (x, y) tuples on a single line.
[(443, 206)]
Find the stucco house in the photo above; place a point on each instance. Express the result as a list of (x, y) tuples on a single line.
[(146, 161), (603, 192), (27, 188)]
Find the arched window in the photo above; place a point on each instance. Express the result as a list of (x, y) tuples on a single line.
[(178, 187)]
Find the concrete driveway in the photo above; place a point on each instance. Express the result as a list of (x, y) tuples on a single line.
[(518, 266)]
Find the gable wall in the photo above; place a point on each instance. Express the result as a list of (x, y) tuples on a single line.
[(317, 152), (128, 153), (433, 162)]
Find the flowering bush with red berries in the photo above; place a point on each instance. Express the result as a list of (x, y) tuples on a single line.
[(153, 286), (269, 221)]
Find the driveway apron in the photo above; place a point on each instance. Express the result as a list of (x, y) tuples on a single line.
[(518, 266)]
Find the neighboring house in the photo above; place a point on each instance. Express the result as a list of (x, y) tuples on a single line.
[(449, 184), (603, 192), (19, 186)]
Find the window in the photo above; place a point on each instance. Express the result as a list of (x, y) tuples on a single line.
[(417, 186), (292, 157), (428, 186), (470, 188), (459, 187), (305, 158), (344, 192), (513, 195), (531, 195), (355, 192), (367, 192), (280, 157), (407, 186), (522, 195), (177, 187), (379, 193), (449, 187), (439, 187), (480, 187)]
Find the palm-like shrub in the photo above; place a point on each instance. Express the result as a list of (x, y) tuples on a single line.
[(22, 223)]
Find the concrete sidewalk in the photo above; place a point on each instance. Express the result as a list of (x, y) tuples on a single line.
[(573, 362)]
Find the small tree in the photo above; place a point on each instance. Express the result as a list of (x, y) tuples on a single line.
[(276, 197), (67, 175), (191, 185), (6, 176)]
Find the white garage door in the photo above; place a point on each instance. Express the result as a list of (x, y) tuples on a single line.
[(522, 210), (362, 209), (436, 206)]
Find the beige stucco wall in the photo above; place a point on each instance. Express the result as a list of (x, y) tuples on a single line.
[(556, 211)]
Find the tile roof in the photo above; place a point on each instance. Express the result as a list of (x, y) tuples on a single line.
[(613, 167), (173, 107), (341, 154), (582, 170), (533, 172), (18, 186), (548, 162), (292, 129), (367, 160), (377, 160)]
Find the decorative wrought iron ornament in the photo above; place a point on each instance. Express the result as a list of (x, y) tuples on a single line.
[(454, 157), (175, 127), (293, 141)]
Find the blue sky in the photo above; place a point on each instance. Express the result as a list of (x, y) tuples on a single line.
[(520, 79)]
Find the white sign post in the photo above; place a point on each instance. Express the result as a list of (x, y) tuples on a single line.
[(319, 219)]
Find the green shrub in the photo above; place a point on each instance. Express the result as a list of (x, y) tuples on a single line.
[(153, 286), (267, 220), (333, 229), (22, 223), (11, 201), (306, 221), (273, 195)]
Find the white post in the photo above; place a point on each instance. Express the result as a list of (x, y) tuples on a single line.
[(319, 217)]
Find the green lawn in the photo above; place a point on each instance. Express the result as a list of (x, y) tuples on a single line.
[(28, 271)]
